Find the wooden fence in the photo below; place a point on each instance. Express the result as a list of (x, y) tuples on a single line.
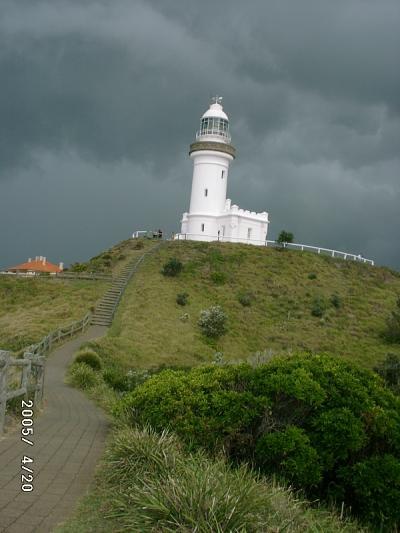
[(32, 365), (62, 275)]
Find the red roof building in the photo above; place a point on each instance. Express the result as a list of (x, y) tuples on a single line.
[(37, 265)]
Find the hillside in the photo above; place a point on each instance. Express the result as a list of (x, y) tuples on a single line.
[(285, 289), (32, 307)]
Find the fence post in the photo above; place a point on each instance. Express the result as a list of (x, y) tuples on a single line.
[(4, 363), (26, 371)]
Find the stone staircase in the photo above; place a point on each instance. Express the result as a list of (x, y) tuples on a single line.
[(104, 312)]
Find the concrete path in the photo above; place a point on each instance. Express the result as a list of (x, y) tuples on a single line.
[(68, 440)]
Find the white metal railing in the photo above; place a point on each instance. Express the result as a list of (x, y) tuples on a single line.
[(275, 244), (137, 234), (217, 133)]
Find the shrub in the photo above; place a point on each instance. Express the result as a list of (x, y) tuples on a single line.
[(212, 322), (389, 370), (336, 301), (124, 381), (285, 237), (202, 405), (376, 485), (318, 307), (82, 376), (314, 419), (88, 357), (172, 267), (219, 278), (312, 275), (392, 333), (152, 484), (182, 298), (289, 453), (139, 245), (246, 298)]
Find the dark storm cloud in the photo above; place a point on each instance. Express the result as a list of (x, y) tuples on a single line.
[(100, 99)]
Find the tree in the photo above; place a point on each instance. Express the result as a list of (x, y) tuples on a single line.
[(285, 237)]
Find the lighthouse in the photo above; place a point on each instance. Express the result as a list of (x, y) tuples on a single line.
[(211, 215)]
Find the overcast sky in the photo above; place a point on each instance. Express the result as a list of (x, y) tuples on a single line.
[(101, 99)]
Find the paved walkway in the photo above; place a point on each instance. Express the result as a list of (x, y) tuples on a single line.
[(68, 441)]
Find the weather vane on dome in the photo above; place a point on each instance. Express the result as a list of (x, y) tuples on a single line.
[(216, 99)]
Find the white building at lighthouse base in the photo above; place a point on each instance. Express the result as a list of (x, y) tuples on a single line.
[(211, 215), (231, 225)]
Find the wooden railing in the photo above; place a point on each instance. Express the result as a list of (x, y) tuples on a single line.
[(62, 275), (33, 366)]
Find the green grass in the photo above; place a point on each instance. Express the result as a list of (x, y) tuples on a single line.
[(33, 307), (111, 261), (150, 328), (147, 483)]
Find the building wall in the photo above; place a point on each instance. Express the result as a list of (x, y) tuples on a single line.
[(231, 227), (210, 175)]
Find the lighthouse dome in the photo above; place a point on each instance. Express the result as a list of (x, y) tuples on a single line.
[(214, 124), (215, 110)]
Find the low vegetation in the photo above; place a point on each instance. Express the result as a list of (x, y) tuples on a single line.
[(210, 447), (341, 309), (392, 332), (148, 483), (32, 308), (317, 422), (111, 261)]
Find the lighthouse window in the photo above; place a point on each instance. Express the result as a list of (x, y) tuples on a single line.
[(214, 126), (223, 174), (202, 227), (205, 192)]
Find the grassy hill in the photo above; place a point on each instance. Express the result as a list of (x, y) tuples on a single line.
[(277, 301), (299, 301), (32, 307)]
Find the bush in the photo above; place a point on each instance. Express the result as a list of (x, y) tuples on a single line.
[(312, 419), (246, 298), (201, 405), (151, 484), (392, 333), (389, 370), (312, 275), (318, 307), (182, 298), (88, 357), (219, 278), (172, 267), (285, 237), (212, 322), (82, 376), (290, 454), (138, 245), (376, 485), (336, 301), (122, 381)]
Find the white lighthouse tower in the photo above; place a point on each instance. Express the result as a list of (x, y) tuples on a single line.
[(211, 215)]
